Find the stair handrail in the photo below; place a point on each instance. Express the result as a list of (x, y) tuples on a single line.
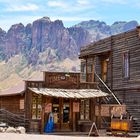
[(107, 87)]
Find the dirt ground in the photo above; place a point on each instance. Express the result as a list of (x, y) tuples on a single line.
[(12, 136)]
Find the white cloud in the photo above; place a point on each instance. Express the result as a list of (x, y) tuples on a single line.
[(57, 4), (83, 2), (18, 8), (115, 1), (6, 22)]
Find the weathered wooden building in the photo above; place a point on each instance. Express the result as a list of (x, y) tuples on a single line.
[(116, 60), (59, 93)]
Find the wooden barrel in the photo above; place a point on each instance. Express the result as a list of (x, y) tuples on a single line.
[(35, 126)]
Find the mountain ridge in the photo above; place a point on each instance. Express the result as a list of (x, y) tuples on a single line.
[(48, 45)]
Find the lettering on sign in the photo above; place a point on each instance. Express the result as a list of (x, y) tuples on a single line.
[(118, 110), (109, 110)]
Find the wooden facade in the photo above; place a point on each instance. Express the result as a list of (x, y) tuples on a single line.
[(69, 114), (116, 60), (14, 104)]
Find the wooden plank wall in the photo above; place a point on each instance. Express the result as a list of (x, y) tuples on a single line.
[(118, 45), (97, 48), (130, 42), (12, 103)]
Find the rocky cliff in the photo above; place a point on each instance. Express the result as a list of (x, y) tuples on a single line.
[(48, 45)]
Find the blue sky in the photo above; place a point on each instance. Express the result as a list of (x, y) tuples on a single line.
[(69, 11)]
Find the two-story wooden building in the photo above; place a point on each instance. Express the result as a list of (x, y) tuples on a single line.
[(116, 60)]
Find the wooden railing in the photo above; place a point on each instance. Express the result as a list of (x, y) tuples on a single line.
[(14, 120)]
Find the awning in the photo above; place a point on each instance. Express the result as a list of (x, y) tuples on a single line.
[(69, 93)]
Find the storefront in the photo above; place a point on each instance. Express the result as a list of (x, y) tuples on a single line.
[(69, 107)]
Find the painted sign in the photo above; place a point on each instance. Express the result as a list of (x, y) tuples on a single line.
[(107, 110), (75, 106)]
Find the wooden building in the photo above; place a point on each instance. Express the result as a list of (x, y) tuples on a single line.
[(61, 94), (116, 60)]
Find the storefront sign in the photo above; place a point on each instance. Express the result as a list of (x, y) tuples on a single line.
[(48, 108), (75, 107), (118, 110), (107, 110)]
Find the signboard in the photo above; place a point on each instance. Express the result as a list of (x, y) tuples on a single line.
[(75, 106), (48, 107), (118, 110), (107, 110), (21, 104)]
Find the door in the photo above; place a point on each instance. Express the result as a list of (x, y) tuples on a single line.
[(104, 65), (61, 112), (65, 115)]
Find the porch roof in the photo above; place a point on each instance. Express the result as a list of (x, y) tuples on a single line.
[(70, 93)]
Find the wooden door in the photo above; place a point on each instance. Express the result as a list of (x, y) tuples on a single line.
[(65, 114), (61, 109), (104, 70)]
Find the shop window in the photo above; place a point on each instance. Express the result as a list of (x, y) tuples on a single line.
[(126, 65), (36, 106), (84, 109)]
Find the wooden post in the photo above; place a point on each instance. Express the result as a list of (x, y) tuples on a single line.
[(42, 115), (86, 71), (92, 80), (74, 119), (99, 118)]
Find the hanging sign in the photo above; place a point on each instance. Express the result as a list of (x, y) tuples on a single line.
[(75, 106)]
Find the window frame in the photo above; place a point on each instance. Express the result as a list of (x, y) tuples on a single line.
[(126, 65)]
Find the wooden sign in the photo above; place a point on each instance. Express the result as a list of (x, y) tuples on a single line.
[(75, 106), (118, 110), (21, 104), (107, 110), (48, 108), (102, 110)]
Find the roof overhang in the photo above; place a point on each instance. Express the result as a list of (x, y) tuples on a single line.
[(69, 93)]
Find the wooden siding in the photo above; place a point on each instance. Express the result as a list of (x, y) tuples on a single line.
[(96, 48), (120, 44), (12, 103), (117, 45)]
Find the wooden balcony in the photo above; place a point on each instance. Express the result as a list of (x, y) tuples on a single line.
[(87, 81)]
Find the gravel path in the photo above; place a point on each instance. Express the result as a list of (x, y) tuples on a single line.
[(11, 136)]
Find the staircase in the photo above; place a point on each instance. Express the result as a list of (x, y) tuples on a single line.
[(133, 108), (13, 120)]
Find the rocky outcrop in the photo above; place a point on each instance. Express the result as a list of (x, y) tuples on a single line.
[(46, 35), (99, 29)]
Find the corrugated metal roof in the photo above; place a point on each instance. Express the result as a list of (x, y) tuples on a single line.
[(70, 93)]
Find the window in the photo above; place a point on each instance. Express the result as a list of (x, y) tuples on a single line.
[(126, 65), (83, 72), (36, 106), (84, 109)]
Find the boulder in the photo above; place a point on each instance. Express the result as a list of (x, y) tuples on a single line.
[(10, 130), (21, 130)]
